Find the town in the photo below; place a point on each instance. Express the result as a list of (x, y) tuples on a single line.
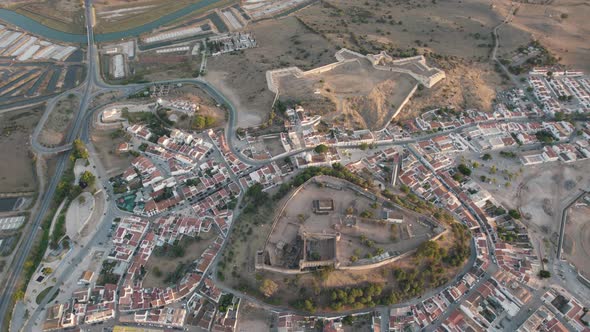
[(320, 196)]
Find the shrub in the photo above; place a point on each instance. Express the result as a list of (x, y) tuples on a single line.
[(464, 169)]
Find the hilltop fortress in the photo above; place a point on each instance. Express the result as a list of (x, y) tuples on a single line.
[(371, 90)]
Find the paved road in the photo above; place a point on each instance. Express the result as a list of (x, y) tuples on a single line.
[(37, 146)]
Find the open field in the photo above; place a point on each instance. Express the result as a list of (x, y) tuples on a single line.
[(118, 15), (17, 171), (105, 143), (166, 68), (193, 248), (63, 15), (252, 318), (576, 246), (543, 207), (527, 191), (53, 132), (562, 26), (455, 36), (449, 28), (282, 43)]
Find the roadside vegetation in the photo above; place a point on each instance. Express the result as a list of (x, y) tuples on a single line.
[(66, 190)]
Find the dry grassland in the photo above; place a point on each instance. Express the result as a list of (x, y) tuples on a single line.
[(241, 76), (60, 118), (167, 264), (106, 146), (252, 318), (17, 171), (562, 26), (454, 36), (576, 246)]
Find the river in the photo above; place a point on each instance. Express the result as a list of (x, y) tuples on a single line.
[(37, 28)]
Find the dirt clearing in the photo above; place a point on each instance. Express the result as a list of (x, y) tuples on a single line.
[(17, 171), (576, 246), (60, 118), (241, 76), (252, 318), (193, 248), (106, 143)]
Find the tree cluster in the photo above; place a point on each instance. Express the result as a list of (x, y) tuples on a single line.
[(357, 297), (255, 198), (79, 150), (544, 137), (203, 121), (337, 170), (464, 169)]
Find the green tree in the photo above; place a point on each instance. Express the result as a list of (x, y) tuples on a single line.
[(514, 214), (88, 178), (543, 274), (19, 295), (79, 150), (559, 116), (348, 320), (321, 149), (544, 136), (199, 122), (464, 169), (202, 122), (308, 305), (405, 189)]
